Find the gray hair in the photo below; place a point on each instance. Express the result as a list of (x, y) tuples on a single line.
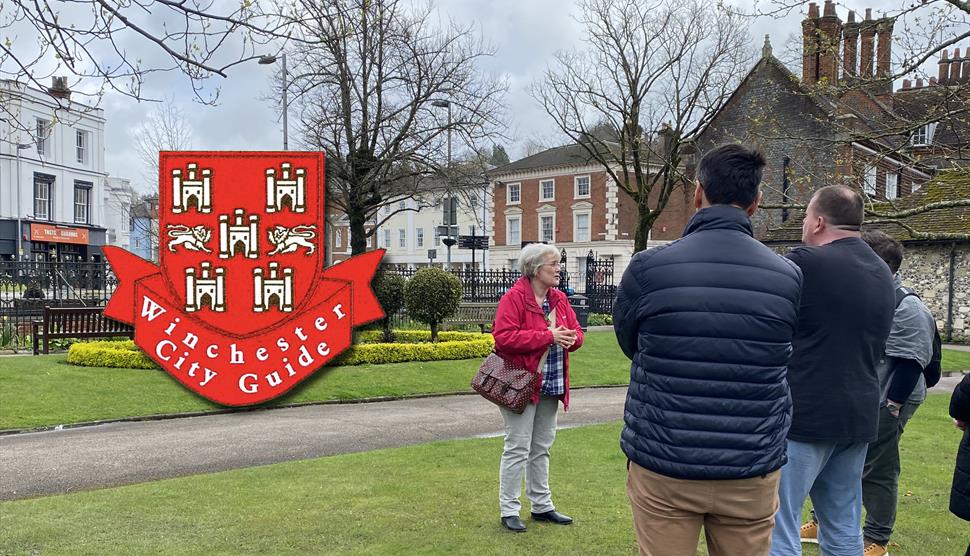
[(533, 256)]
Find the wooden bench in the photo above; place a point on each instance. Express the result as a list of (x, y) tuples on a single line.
[(76, 322), (481, 314)]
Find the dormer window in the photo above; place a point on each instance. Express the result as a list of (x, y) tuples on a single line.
[(923, 135)]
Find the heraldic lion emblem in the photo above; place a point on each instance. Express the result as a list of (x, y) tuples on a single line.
[(288, 240), (193, 239)]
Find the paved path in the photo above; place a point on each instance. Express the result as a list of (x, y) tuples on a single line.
[(52, 462)]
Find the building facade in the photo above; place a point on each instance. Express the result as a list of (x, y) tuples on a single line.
[(409, 230), (563, 197), (116, 208), (52, 178)]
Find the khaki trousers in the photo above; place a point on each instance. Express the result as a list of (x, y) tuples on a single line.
[(668, 513)]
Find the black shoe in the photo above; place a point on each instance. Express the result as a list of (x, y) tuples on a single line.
[(553, 517), (513, 523)]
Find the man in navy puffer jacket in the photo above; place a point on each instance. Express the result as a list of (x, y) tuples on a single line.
[(708, 322)]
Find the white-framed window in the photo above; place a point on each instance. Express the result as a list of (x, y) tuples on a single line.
[(513, 230), (581, 272), (514, 194), (923, 135), (402, 205), (82, 202), (338, 239), (582, 187), (892, 186), (419, 237), (581, 226), (43, 189), (402, 238), (547, 228), (125, 219), (387, 238), (82, 146), (43, 130), (385, 210), (547, 190), (370, 241), (869, 183)]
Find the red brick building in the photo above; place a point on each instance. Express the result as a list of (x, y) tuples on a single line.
[(564, 197)]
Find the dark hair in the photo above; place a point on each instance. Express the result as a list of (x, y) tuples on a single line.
[(886, 247), (840, 205), (730, 174)]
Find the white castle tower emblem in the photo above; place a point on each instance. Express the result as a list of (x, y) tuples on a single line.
[(192, 188), (290, 187), (240, 234), (274, 290), (205, 290)]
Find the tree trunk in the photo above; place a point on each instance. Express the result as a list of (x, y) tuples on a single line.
[(358, 239), (645, 220), (434, 331), (386, 326)]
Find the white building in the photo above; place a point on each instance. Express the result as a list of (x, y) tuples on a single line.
[(116, 211), (409, 235), (52, 175)]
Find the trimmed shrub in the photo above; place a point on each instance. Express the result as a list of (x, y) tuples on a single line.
[(600, 319), (379, 354), (431, 296), (389, 289), (118, 354), (417, 336)]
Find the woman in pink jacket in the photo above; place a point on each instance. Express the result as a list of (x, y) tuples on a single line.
[(533, 320)]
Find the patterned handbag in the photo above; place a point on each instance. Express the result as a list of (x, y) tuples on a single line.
[(504, 384)]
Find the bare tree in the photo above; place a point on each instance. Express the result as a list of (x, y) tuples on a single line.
[(165, 129), (374, 91), (89, 41), (651, 73)]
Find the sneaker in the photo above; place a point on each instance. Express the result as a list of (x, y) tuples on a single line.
[(809, 533), (875, 549)]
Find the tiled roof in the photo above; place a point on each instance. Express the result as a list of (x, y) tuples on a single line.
[(566, 155), (937, 224)]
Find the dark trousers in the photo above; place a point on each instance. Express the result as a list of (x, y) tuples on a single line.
[(880, 476)]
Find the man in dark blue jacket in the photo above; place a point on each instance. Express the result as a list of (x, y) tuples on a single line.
[(708, 322)]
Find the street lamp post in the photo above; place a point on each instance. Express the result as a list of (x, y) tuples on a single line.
[(270, 59), (441, 103), (20, 208)]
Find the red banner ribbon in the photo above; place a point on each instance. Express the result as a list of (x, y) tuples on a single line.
[(243, 370)]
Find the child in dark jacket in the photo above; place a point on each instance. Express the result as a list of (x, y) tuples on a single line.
[(960, 491)]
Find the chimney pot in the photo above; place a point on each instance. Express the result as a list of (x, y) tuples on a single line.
[(933, 81), (906, 84), (944, 67), (965, 76), (851, 17), (868, 14), (919, 83), (813, 10), (829, 8)]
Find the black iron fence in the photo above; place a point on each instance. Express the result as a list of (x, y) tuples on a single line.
[(26, 287)]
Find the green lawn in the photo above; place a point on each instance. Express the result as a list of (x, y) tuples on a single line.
[(38, 391), (954, 360), (436, 498)]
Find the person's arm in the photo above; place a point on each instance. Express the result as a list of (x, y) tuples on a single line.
[(508, 334), (906, 373), (573, 323), (625, 321), (960, 401)]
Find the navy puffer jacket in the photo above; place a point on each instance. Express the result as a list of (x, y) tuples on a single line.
[(708, 322)]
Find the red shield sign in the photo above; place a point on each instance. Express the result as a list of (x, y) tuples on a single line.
[(241, 235), (241, 308)]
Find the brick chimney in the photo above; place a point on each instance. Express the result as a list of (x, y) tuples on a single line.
[(884, 50), (944, 63), (868, 33), (810, 45), (907, 84), (59, 88), (850, 47), (919, 83), (965, 76), (829, 38), (955, 64)]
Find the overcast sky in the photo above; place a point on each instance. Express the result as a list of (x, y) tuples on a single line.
[(525, 33)]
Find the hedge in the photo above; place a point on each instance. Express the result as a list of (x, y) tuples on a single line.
[(417, 336), (125, 354)]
